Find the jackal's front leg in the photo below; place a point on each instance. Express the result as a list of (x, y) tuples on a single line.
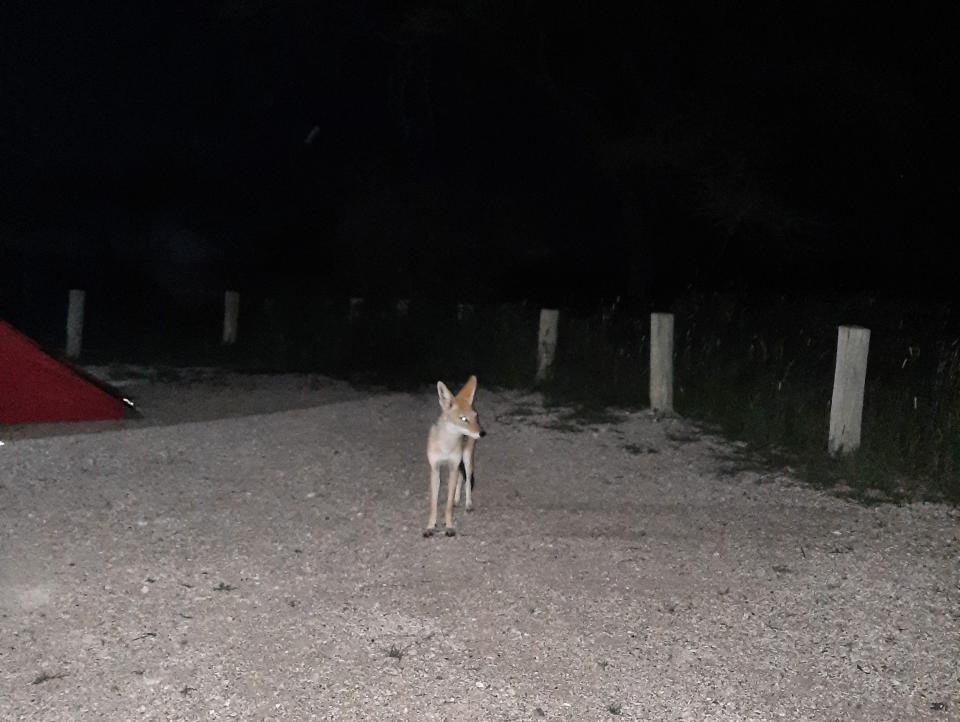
[(434, 491), (448, 511)]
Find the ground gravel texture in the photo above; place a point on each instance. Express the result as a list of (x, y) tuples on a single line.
[(252, 550)]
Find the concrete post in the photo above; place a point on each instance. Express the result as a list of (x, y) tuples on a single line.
[(661, 362), (231, 316), (846, 408), (464, 311), (356, 307), (75, 322), (546, 342)]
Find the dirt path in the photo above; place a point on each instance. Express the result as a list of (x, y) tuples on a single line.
[(271, 566)]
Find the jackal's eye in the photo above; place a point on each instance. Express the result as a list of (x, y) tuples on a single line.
[(463, 419)]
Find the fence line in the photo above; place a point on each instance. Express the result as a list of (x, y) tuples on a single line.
[(846, 410)]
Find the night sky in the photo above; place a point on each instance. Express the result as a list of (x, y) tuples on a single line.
[(480, 150)]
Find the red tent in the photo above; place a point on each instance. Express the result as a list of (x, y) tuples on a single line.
[(36, 387)]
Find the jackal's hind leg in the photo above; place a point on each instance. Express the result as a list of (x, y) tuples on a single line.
[(461, 475), (468, 479)]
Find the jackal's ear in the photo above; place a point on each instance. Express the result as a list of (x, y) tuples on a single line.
[(445, 395), (468, 390)]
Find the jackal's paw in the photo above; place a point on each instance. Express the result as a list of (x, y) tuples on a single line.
[(428, 532), (451, 532), (469, 507)]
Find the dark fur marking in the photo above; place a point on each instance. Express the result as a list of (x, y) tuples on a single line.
[(473, 477)]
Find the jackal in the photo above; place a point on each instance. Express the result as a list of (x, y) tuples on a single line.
[(451, 442)]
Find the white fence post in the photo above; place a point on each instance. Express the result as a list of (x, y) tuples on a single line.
[(464, 311), (75, 322), (661, 362), (849, 379), (356, 308), (546, 342), (231, 316)]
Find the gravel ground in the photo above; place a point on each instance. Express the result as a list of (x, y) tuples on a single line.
[(252, 549)]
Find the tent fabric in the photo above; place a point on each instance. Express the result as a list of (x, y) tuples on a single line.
[(35, 387)]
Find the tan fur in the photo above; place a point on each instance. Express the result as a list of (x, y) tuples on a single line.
[(452, 441)]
